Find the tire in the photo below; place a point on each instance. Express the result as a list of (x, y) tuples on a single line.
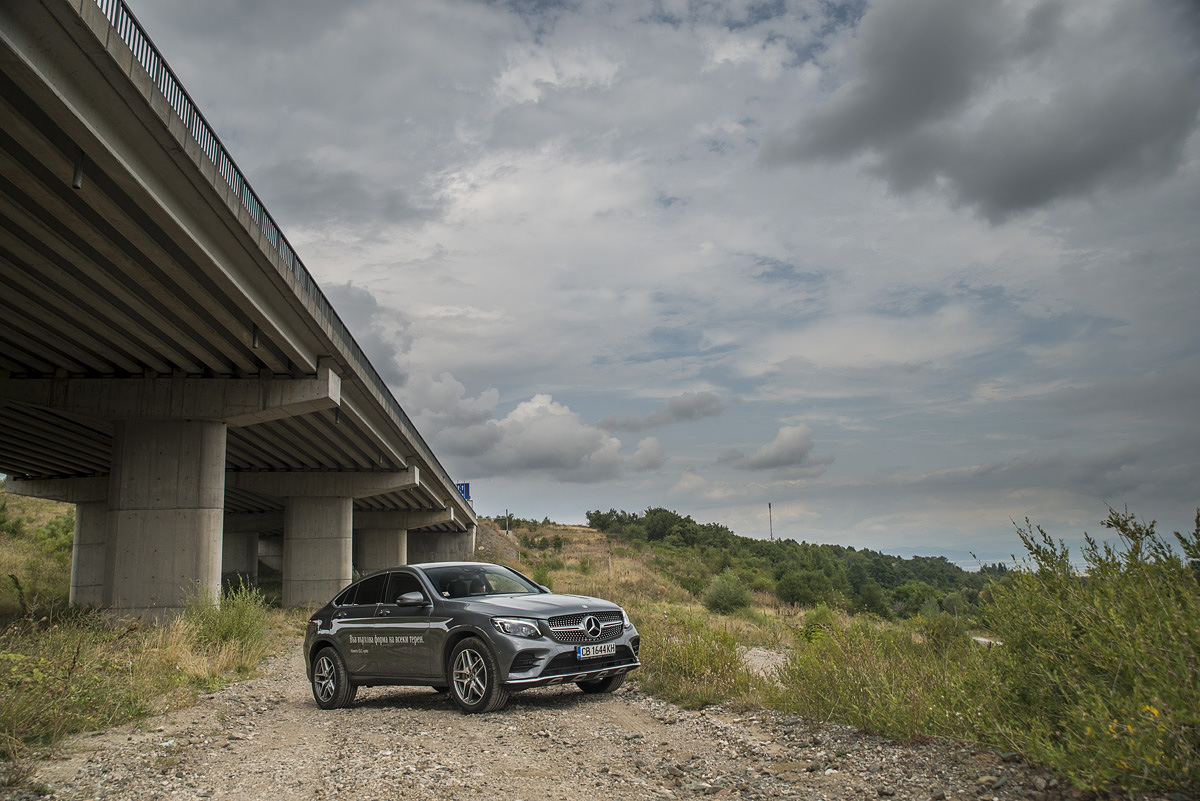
[(474, 678), (331, 686), (608, 684)]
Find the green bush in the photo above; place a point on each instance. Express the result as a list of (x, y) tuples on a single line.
[(1101, 667), (240, 618), (540, 573), (804, 587), (727, 593)]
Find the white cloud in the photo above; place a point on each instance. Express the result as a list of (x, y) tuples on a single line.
[(649, 455), (546, 438)]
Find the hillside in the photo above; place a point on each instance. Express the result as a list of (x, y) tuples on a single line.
[(679, 554)]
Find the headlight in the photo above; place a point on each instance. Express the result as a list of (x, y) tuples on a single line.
[(517, 627), (625, 620)]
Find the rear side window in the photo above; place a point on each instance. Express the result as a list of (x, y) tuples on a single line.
[(370, 591)]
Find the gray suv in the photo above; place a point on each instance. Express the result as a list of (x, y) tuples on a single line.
[(480, 631)]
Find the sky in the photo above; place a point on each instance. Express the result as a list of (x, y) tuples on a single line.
[(893, 275)]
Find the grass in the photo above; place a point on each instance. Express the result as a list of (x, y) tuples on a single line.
[(1097, 676), (66, 670)]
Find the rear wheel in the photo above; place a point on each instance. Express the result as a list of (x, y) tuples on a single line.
[(331, 685), (606, 685), (474, 678)]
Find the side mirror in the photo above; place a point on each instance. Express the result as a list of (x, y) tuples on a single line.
[(411, 599)]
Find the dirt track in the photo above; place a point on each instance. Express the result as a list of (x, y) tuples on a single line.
[(266, 739)]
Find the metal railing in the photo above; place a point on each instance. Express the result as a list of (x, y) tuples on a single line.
[(126, 26)]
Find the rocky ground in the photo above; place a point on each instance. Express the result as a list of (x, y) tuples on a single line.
[(266, 739)]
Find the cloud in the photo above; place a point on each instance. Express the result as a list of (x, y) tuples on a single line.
[(384, 346), (539, 437), (1008, 110), (790, 448), (307, 193), (681, 408), (649, 455), (790, 454)]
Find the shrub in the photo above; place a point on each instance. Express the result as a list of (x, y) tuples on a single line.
[(240, 618), (540, 573), (727, 593), (804, 587), (1101, 668)]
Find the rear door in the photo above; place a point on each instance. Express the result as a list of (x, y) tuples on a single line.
[(354, 625)]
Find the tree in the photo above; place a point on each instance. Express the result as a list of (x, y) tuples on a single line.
[(727, 593), (804, 588)]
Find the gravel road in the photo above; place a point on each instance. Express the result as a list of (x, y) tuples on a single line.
[(266, 739)]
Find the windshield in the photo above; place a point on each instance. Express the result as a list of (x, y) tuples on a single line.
[(463, 581)]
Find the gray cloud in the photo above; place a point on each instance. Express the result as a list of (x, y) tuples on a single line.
[(681, 408), (538, 437), (790, 448), (789, 454), (649, 455), (1097, 106), (363, 316), (304, 192)]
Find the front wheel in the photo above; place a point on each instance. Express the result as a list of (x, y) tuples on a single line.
[(331, 685), (474, 678), (605, 685)]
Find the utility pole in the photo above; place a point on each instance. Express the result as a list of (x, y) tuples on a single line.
[(770, 521)]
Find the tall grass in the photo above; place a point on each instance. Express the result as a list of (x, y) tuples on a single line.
[(73, 669), (687, 660), (1101, 669), (894, 679), (1096, 673)]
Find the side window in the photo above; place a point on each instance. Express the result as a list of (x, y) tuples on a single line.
[(400, 583), (370, 591), (347, 596)]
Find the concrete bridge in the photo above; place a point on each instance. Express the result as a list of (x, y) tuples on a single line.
[(167, 363)]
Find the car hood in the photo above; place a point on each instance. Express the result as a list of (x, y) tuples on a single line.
[(539, 606)]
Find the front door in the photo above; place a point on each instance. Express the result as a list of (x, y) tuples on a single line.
[(402, 630)]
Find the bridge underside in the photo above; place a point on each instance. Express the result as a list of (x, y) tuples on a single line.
[(165, 363)]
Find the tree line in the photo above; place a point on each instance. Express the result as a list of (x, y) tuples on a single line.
[(800, 573)]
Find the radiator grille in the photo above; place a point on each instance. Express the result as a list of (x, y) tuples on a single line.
[(575, 628)]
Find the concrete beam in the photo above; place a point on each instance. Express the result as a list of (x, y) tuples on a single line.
[(92, 489), (324, 484), (408, 520), (236, 401)]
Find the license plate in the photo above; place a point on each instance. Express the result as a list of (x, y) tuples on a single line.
[(589, 651)]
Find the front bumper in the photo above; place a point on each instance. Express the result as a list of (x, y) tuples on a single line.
[(557, 664)]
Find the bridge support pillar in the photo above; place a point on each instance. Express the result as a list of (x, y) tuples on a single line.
[(443, 547), (239, 558), (87, 553), (166, 505), (377, 548), (317, 548)]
